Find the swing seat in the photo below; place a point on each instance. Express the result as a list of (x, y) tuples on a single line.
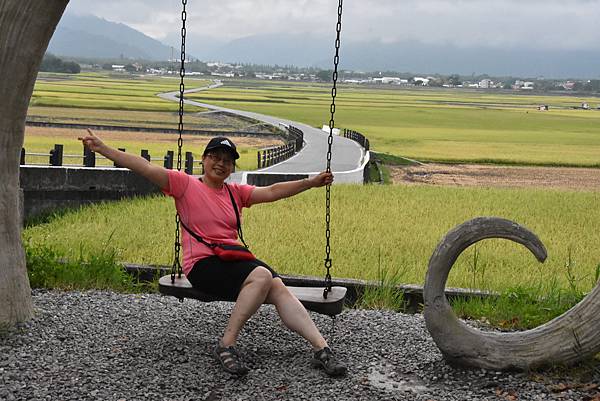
[(310, 297)]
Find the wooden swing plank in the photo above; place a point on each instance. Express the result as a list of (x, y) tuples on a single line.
[(311, 297)]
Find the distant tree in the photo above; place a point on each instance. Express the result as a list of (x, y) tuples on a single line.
[(51, 63), (72, 67), (454, 80), (592, 86), (130, 68), (437, 82), (324, 75), (107, 66)]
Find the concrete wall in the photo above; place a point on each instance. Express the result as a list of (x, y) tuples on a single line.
[(263, 180), (46, 189)]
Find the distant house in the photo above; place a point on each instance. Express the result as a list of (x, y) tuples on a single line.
[(486, 83), (424, 81), (585, 106), (543, 107), (118, 68)]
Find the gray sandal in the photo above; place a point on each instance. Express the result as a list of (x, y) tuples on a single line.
[(326, 360), (230, 360)]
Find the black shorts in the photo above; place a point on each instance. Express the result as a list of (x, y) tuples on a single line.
[(224, 279)]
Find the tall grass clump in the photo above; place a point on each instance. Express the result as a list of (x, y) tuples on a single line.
[(523, 307), (384, 292), (48, 268)]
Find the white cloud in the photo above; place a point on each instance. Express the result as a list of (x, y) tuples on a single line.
[(514, 23)]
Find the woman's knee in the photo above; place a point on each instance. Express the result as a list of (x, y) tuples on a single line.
[(278, 291), (260, 276)]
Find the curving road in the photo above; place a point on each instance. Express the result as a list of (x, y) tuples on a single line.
[(348, 157)]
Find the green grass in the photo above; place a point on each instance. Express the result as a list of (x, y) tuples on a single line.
[(519, 307), (47, 268), (375, 229), (435, 125)]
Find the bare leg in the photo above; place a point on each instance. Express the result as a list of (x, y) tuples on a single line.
[(253, 294), (293, 314)]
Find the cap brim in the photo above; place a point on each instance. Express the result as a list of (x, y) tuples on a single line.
[(232, 151)]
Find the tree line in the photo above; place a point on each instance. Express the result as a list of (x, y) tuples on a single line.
[(51, 63)]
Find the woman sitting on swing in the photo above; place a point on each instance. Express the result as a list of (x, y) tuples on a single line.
[(206, 206)]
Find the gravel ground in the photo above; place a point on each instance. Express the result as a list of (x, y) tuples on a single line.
[(107, 346)]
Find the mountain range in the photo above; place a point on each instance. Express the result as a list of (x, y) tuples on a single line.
[(93, 37)]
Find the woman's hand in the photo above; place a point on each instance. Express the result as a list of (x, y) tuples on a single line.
[(92, 142), (321, 179)]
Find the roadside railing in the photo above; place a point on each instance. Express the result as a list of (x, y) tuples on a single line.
[(357, 137), (270, 156), (57, 157)]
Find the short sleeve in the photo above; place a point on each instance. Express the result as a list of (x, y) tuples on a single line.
[(178, 183), (244, 192)]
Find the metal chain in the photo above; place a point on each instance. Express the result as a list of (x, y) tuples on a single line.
[(332, 331), (176, 268), (336, 60)]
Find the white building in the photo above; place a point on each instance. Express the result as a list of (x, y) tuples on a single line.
[(425, 81), (486, 83)]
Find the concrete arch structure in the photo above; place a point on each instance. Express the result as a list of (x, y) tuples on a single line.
[(565, 340)]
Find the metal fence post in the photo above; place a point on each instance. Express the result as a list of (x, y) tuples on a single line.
[(89, 157), (22, 162), (145, 154), (189, 163), (56, 155), (169, 160)]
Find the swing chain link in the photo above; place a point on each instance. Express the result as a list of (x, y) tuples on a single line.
[(176, 268), (336, 60)]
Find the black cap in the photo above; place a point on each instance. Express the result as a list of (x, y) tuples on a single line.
[(220, 142)]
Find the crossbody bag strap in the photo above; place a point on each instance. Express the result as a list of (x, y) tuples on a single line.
[(237, 216), (196, 236)]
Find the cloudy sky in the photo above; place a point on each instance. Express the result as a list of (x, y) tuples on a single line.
[(545, 24)]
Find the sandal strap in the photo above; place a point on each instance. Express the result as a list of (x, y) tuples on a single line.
[(230, 360), (228, 356)]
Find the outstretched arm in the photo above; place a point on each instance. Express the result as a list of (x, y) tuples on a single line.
[(156, 174), (282, 190)]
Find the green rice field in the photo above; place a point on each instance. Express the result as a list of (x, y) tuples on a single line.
[(376, 231), (447, 125), (108, 92)]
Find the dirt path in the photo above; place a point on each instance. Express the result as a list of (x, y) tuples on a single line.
[(587, 179)]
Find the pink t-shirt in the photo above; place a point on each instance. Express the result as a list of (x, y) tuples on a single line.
[(207, 212)]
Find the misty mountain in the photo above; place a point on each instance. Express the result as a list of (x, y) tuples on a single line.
[(413, 57), (90, 36), (93, 37)]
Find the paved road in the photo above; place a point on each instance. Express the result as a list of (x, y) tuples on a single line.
[(348, 158)]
